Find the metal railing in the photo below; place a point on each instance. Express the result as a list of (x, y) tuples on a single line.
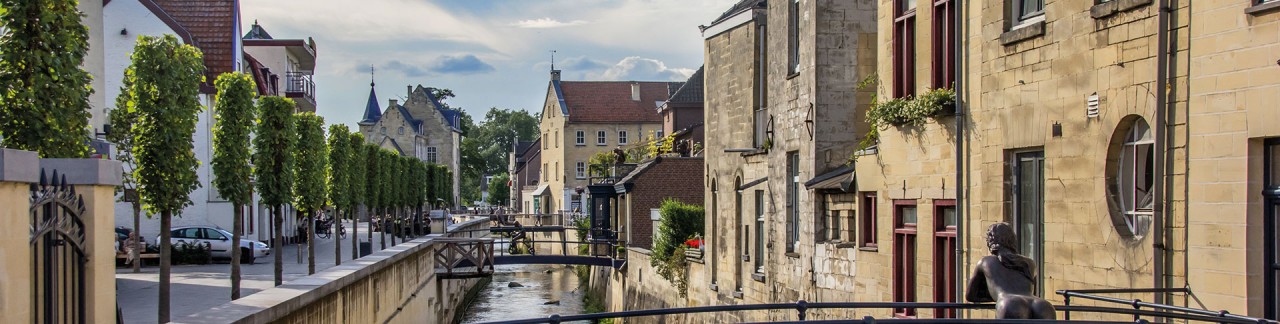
[(802, 309), (300, 83), (1160, 310)]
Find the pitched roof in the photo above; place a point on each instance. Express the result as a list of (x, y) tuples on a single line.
[(610, 101), (690, 91), (212, 24), (452, 118), (257, 32), (372, 112)]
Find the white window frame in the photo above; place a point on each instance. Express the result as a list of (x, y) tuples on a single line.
[(580, 138), (1137, 213), (622, 137), (432, 154), (582, 170), (602, 138)]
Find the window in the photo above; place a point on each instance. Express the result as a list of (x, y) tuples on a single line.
[(1025, 10), (557, 138), (622, 137), (1027, 205), (759, 246), (401, 131), (601, 138), (659, 134), (793, 37), (760, 115), (582, 170), (904, 255), (544, 172), (904, 48), (383, 131), (944, 44), (431, 154), (867, 209), (793, 201), (558, 172), (214, 235), (944, 255), (1132, 179), (580, 138), (544, 140), (1271, 225)]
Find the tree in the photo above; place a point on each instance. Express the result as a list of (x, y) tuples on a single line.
[(373, 196), (356, 185), (231, 151), (309, 189), (123, 118), (484, 150), (274, 141), (164, 79), (339, 175), (499, 191), (44, 94)]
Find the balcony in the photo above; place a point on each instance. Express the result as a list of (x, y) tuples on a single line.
[(300, 87)]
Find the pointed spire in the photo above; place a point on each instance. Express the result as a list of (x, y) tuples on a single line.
[(372, 112)]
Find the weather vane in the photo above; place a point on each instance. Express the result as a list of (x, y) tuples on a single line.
[(371, 74), (553, 59)]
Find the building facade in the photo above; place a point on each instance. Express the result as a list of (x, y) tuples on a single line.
[(641, 193), (582, 118), (421, 127), (682, 115), (525, 169)]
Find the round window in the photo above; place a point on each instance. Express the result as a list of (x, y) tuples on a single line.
[(1131, 178)]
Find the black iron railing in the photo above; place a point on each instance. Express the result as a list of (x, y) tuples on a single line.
[(300, 84), (1160, 310)]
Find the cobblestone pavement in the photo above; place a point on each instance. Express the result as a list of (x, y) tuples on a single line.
[(200, 287)]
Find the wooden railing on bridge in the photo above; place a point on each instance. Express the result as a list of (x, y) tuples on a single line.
[(463, 258)]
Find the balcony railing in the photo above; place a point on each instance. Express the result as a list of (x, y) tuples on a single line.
[(299, 84)]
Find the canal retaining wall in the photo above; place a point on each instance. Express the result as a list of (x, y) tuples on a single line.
[(638, 286), (396, 285)]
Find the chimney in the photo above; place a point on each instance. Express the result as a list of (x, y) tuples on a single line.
[(408, 91), (555, 75), (392, 103), (635, 91)]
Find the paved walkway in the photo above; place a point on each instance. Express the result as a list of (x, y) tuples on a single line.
[(196, 288)]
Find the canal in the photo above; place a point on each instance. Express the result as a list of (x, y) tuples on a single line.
[(527, 291)]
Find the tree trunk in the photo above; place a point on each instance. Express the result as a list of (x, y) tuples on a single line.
[(165, 254), (370, 234), (278, 220), (311, 242), (382, 228), (237, 226), (395, 225), (355, 233), (138, 240), (337, 237)]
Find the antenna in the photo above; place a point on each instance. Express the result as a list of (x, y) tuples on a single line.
[(553, 60)]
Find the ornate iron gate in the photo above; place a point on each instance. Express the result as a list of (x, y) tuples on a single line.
[(58, 251)]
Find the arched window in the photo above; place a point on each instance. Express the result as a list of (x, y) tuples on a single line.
[(1131, 178)]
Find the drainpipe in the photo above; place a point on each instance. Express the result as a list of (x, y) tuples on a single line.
[(1160, 247), (961, 203)]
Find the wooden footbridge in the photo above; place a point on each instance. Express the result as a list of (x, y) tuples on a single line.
[(509, 242)]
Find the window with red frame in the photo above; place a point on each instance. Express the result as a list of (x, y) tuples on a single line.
[(867, 207), (904, 48), (944, 257), (944, 44), (904, 255)]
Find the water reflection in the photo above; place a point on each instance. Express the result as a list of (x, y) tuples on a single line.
[(547, 290)]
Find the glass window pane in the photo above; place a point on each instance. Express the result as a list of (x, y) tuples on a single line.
[(949, 216), (907, 5), (1125, 177), (908, 215), (1144, 171)]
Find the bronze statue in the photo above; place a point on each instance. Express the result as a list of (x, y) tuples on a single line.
[(620, 156), (1008, 279)]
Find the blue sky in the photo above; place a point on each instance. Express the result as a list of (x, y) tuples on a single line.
[(492, 53)]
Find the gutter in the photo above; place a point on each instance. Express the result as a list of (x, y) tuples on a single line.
[(1160, 247), (962, 227)]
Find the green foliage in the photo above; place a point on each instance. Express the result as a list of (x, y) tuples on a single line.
[(122, 120), (600, 163), (372, 160), (484, 150), (499, 191), (190, 253), (679, 222), (163, 88), (311, 161), (910, 111), (339, 172), (386, 178), (235, 114), (357, 168), (44, 94), (935, 101), (273, 156), (659, 146)]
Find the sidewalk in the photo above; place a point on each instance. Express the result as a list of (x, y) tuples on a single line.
[(196, 288)]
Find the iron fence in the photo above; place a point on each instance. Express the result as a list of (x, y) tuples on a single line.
[(58, 251)]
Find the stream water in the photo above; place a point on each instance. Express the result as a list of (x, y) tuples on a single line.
[(543, 290)]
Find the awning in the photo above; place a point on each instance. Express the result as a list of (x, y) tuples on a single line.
[(841, 178), (752, 183), (542, 190)]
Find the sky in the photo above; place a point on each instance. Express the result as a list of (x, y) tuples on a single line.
[(491, 53)]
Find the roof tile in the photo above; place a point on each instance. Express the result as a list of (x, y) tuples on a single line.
[(610, 102)]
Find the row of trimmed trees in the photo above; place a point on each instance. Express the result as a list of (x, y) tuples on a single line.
[(260, 145)]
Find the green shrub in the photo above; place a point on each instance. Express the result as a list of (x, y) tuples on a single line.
[(190, 253), (679, 222)]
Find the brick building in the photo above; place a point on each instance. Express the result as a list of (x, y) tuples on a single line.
[(682, 114), (642, 192)]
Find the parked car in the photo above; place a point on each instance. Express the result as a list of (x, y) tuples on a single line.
[(219, 241)]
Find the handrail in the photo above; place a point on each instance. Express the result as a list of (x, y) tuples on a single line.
[(1137, 304), (802, 308)]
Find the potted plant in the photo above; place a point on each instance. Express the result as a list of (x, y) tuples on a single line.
[(937, 102), (893, 111)]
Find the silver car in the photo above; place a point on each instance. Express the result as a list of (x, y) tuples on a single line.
[(219, 242)]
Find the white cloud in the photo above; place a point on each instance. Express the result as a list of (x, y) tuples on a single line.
[(546, 23), (642, 69)]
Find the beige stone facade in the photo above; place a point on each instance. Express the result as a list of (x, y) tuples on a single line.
[(420, 127)]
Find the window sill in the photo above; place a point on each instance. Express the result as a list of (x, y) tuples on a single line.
[(737, 294), (869, 249), (793, 75), (846, 245), (757, 277), (1023, 32), (758, 151), (1262, 8), (792, 255), (580, 144), (1106, 9)]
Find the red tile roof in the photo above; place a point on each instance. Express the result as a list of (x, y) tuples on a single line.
[(213, 25), (610, 102)]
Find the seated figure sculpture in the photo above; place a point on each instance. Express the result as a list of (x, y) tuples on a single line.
[(1007, 278)]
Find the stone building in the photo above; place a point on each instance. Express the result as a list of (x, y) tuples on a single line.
[(582, 118), (641, 193), (421, 127), (525, 170)]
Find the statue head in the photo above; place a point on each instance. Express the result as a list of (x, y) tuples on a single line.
[(1000, 236)]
